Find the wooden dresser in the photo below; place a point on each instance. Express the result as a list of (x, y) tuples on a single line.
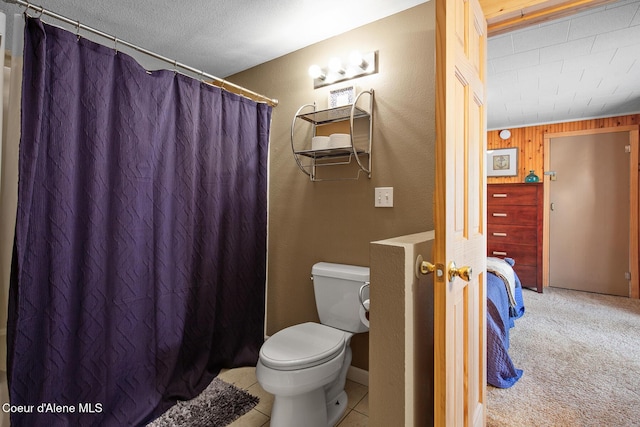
[(514, 227)]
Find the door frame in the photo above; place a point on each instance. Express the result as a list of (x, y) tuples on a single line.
[(634, 226)]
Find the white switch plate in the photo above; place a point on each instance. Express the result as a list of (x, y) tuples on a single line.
[(384, 197)]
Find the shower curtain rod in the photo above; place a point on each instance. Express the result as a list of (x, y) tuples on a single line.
[(222, 83)]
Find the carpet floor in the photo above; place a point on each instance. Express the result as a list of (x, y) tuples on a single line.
[(580, 353), (217, 406)]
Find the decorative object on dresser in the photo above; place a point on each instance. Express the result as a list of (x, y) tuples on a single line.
[(532, 177), (514, 227)]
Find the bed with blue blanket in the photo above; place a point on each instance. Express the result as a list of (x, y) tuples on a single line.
[(504, 305)]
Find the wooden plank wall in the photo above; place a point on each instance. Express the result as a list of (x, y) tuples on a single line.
[(530, 142)]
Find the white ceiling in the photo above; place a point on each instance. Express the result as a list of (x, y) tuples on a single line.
[(221, 37), (574, 68), (579, 67)]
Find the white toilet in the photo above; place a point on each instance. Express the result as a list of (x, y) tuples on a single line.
[(305, 366)]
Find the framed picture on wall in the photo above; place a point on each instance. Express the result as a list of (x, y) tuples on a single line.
[(502, 162), (342, 96)]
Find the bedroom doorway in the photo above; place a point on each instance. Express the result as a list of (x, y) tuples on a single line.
[(589, 211)]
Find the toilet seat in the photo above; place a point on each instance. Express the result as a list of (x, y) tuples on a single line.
[(302, 346)]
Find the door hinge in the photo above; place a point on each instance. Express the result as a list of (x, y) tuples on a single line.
[(627, 148), (627, 275)]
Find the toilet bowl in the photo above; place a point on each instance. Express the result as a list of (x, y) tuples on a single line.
[(305, 366)]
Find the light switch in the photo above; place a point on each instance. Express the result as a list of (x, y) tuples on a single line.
[(384, 197)]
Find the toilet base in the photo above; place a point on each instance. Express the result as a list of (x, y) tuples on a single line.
[(336, 409), (308, 409)]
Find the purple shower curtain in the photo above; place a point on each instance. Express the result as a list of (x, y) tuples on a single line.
[(139, 267)]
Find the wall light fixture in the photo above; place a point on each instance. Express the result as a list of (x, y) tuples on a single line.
[(505, 134), (338, 70)]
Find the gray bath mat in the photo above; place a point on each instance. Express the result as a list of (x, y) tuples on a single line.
[(218, 405)]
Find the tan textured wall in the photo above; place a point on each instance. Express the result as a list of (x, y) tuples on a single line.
[(530, 142), (335, 221), (401, 337)]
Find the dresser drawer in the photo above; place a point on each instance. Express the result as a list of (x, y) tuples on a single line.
[(524, 235), (520, 194), (522, 254), (518, 215)]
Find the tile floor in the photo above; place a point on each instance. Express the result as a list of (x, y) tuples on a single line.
[(357, 413)]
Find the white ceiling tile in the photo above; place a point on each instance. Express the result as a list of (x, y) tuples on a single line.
[(632, 106), (499, 46), (518, 60), (546, 103), (591, 77), (583, 110), (582, 97), (626, 86), (608, 86), (599, 102), (491, 70), (564, 104), (568, 90), (493, 99), (619, 3), (569, 79), (548, 87), (543, 71), (568, 49), (588, 61), (513, 107), (545, 116), (508, 97), (537, 38), (529, 107), (636, 18), (589, 24), (624, 37), (530, 117), (499, 79), (625, 57)]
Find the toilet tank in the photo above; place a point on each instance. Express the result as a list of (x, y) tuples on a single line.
[(336, 288)]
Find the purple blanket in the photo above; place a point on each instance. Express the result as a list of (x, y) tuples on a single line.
[(501, 371)]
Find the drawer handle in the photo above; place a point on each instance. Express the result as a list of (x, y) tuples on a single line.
[(499, 214), (500, 234), (500, 195), (499, 253)]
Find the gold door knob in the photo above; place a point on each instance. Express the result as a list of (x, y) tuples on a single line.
[(426, 267), (463, 272)]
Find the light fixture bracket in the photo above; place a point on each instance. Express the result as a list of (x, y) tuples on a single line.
[(351, 71)]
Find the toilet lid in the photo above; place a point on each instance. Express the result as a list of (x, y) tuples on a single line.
[(302, 346)]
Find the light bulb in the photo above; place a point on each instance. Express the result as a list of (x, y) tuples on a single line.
[(357, 60), (335, 65), (316, 72)]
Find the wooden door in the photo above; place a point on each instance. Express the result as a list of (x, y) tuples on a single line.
[(460, 222)]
